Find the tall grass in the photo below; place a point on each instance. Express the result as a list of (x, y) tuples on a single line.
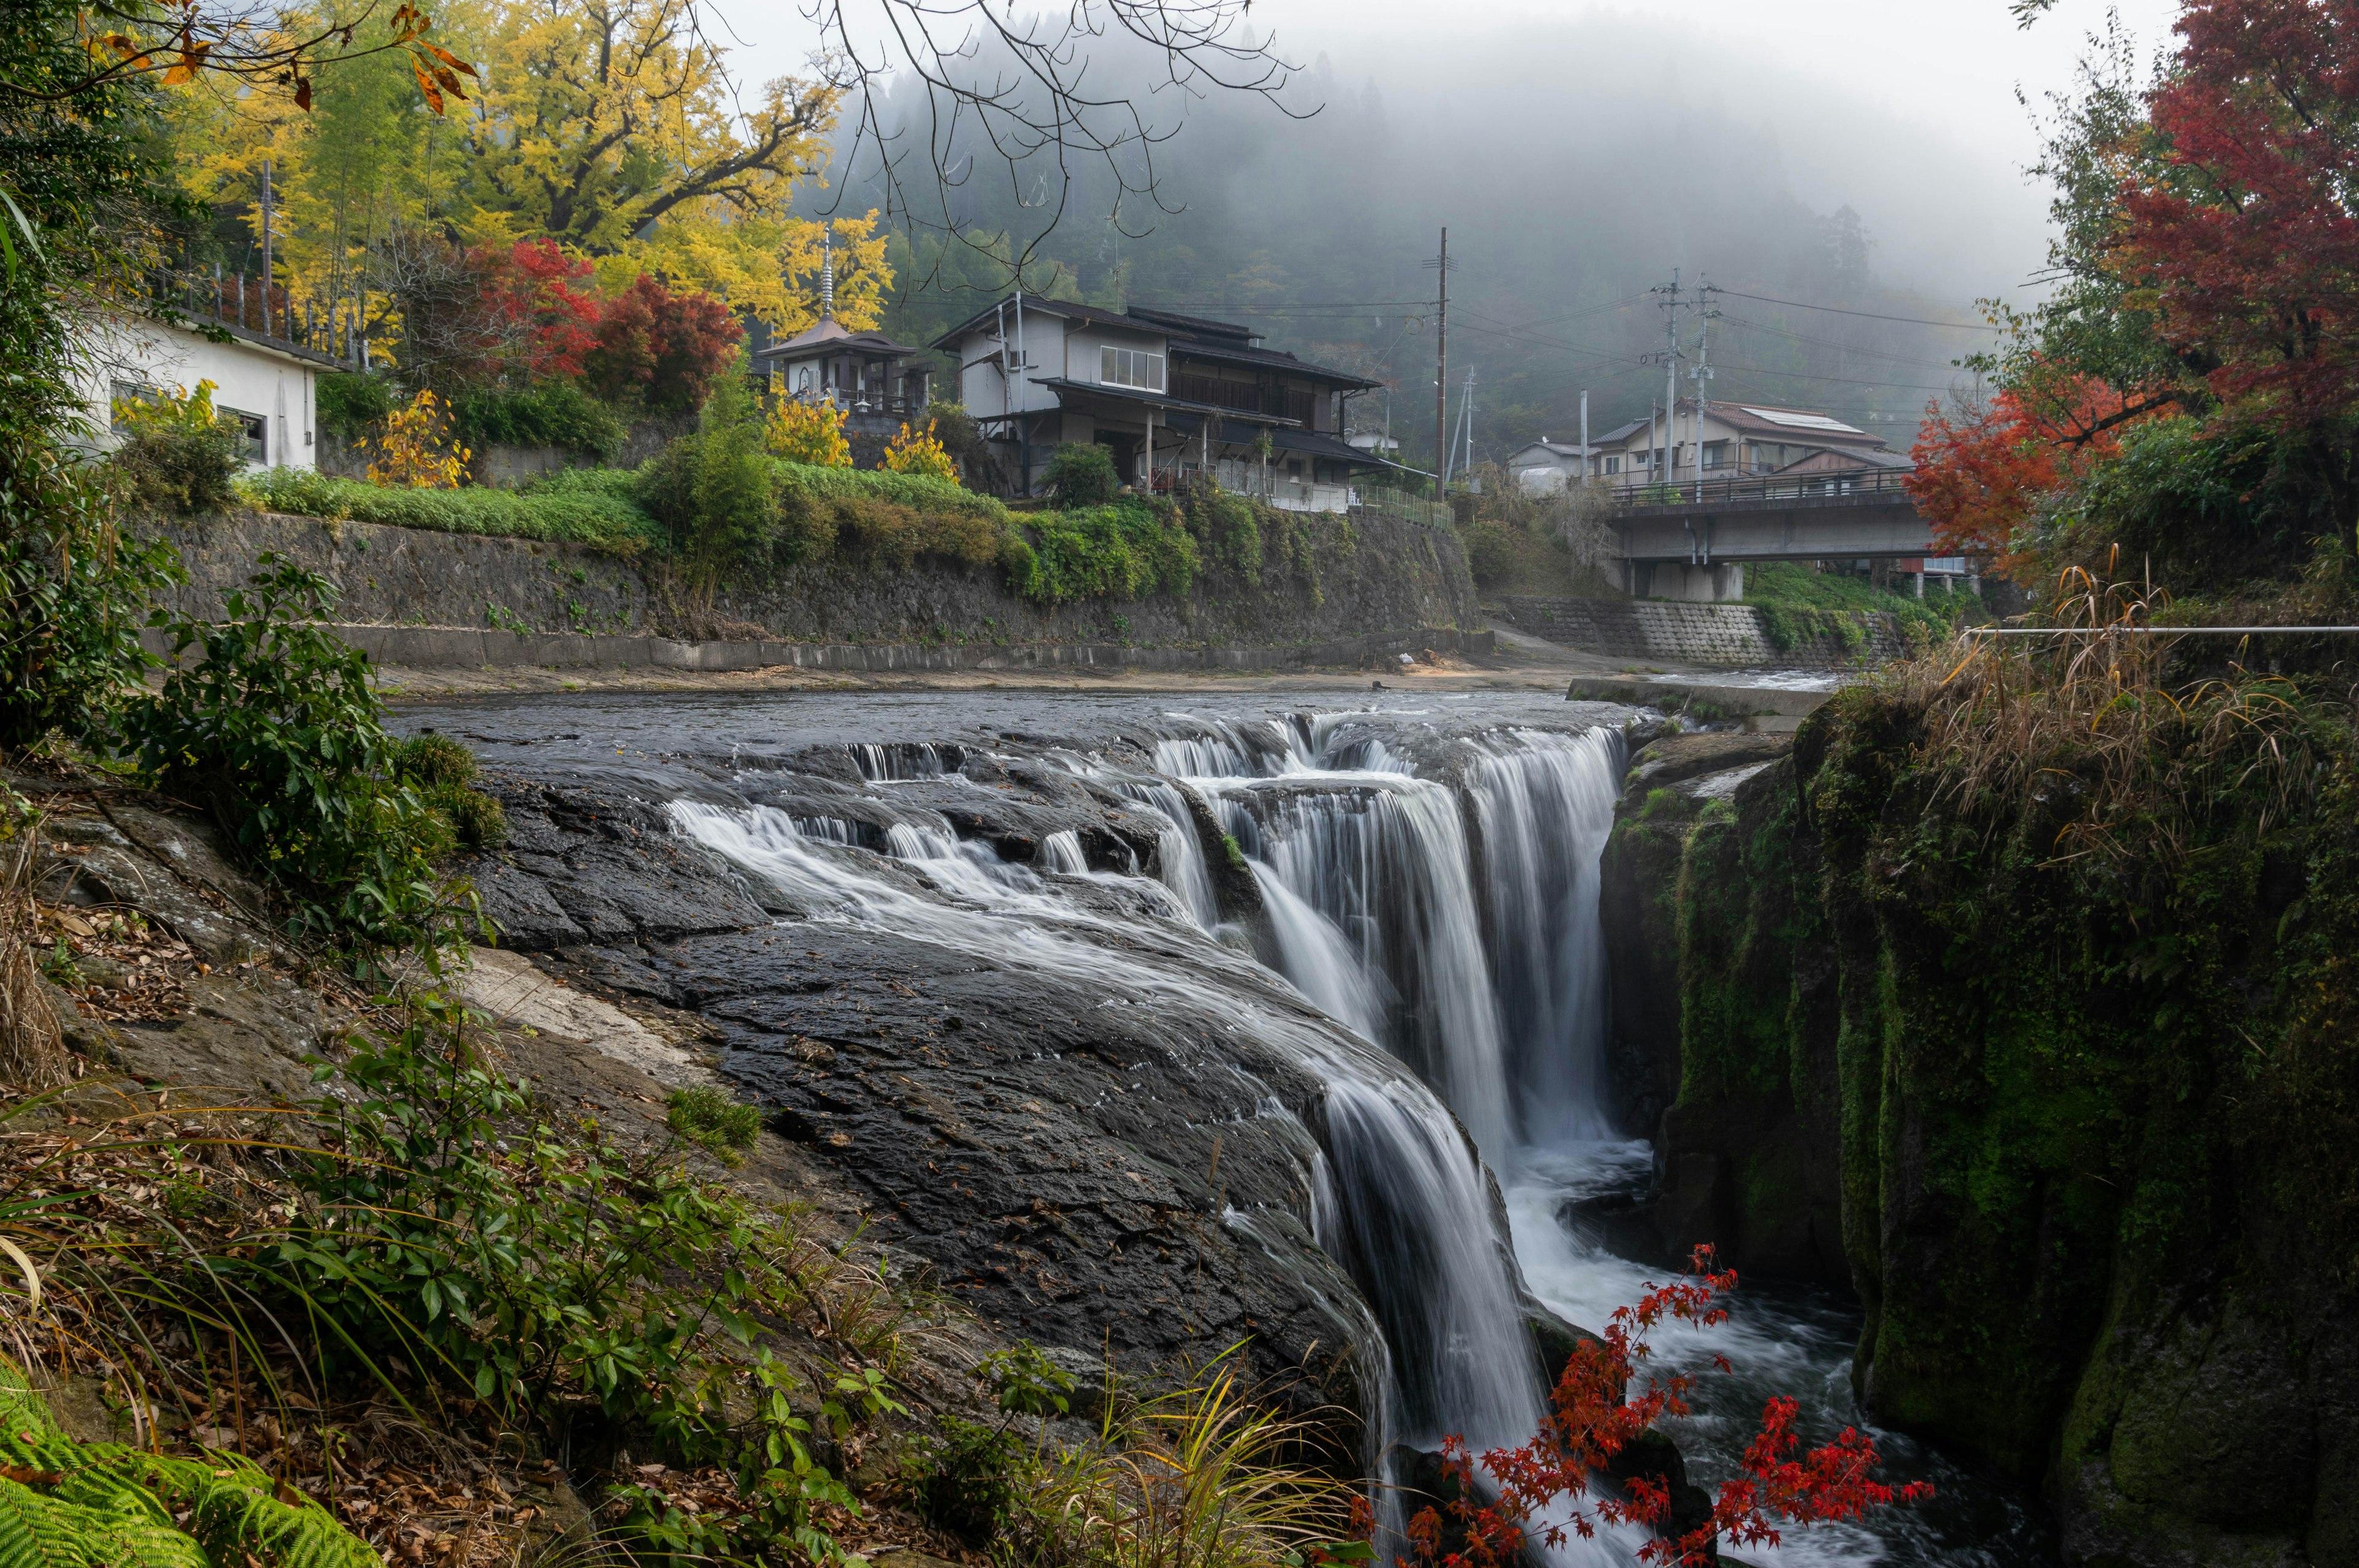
[(1206, 1475), (30, 1051), (2090, 723)]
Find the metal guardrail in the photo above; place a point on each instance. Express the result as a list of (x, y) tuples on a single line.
[(1794, 487), (2146, 631)]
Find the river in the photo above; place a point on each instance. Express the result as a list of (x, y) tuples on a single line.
[(1428, 868)]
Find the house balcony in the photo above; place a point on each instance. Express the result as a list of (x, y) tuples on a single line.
[(873, 413)]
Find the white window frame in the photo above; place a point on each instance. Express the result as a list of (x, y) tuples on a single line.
[(1139, 368)]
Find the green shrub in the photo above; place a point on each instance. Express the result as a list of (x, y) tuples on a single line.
[(922, 492), (433, 760), (72, 591), (587, 508), (1122, 551), (552, 1274), (714, 490), (349, 402), (443, 772), (274, 730), (1491, 554), (971, 1475), (1081, 476), (551, 414), (722, 1127), (176, 455)]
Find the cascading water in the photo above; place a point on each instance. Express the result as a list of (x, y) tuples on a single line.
[(1400, 1199), (1430, 884)]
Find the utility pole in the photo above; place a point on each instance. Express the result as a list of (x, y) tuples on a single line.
[(1705, 312), (1468, 467), (1584, 434), (1669, 450), (1442, 436)]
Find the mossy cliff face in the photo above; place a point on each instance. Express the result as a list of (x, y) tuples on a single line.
[(2079, 1132)]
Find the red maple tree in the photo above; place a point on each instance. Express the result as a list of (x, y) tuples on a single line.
[(665, 348), (540, 314), (2244, 226), (1977, 479), (1558, 1485)]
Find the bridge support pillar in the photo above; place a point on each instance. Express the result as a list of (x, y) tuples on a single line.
[(1722, 583)]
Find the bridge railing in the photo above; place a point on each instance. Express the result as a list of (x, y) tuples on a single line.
[(1792, 487)]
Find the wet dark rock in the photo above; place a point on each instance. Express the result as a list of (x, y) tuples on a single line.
[(586, 867), (1099, 1175), (1675, 758), (1651, 1456)]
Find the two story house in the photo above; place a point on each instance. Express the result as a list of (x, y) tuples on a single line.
[(1175, 397), (1738, 440)]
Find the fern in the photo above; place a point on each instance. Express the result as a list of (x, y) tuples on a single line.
[(111, 1506)]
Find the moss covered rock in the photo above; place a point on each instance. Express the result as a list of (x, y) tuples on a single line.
[(2077, 1127)]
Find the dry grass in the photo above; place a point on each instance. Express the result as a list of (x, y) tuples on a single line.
[(2092, 715), (31, 1051), (1207, 1475)]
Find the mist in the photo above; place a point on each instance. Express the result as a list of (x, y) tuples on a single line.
[(1576, 164)]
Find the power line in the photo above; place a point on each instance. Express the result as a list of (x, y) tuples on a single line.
[(1830, 344), (1864, 315)]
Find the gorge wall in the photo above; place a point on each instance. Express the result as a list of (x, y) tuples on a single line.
[(1371, 573), (2076, 1129)]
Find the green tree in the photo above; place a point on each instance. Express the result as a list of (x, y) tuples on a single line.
[(84, 190)]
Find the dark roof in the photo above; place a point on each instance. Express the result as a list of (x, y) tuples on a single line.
[(1198, 349), (1139, 394), (1622, 432), (1190, 336), (1194, 326), (254, 340), (828, 334), (1312, 443)]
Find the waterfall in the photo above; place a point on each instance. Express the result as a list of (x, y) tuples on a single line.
[(1545, 804), (1384, 858), (1407, 1207)]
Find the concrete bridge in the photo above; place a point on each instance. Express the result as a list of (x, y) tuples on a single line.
[(1691, 541)]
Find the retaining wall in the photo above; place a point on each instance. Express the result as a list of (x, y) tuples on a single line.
[(1381, 584), (1718, 634)]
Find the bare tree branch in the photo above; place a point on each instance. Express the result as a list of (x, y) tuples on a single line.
[(998, 89)]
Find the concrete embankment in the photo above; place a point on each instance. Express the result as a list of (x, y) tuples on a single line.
[(1352, 587)]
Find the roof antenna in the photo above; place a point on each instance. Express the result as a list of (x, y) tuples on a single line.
[(826, 272)]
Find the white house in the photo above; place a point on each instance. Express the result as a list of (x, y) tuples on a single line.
[(268, 384), (1546, 466), (1736, 441), (1174, 396)]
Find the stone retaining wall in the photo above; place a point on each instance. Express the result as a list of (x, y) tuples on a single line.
[(1383, 585), (1721, 634), (462, 647)]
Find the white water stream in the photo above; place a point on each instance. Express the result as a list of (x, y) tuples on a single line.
[(1436, 896)]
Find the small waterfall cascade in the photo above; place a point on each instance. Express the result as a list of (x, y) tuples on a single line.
[(1543, 803), (1399, 1190), (1433, 894)]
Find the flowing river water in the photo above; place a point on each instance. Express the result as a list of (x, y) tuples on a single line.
[(1428, 871)]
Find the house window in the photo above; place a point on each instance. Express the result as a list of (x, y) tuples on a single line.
[(1614, 465), (1715, 454), (254, 439), (1130, 367)]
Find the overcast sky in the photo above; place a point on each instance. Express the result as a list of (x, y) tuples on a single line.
[(1904, 109)]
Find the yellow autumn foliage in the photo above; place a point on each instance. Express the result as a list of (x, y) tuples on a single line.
[(919, 451), (416, 452), (806, 432)]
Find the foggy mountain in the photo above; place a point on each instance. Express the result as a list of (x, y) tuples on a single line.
[(1576, 165)]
